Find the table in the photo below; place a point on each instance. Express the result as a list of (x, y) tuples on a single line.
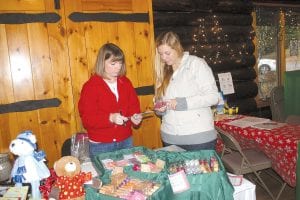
[(279, 144), (200, 184)]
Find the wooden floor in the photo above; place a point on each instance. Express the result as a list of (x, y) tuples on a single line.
[(288, 193)]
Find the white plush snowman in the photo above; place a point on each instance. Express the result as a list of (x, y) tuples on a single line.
[(29, 167)]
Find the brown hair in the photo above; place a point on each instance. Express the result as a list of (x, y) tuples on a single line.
[(107, 51)]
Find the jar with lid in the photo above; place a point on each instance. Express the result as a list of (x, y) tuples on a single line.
[(5, 167)]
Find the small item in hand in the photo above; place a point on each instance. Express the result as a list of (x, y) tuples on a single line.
[(160, 104)]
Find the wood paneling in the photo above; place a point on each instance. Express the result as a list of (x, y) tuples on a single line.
[(22, 5), (77, 54), (6, 94), (65, 123), (106, 5), (144, 56), (22, 80), (53, 60)]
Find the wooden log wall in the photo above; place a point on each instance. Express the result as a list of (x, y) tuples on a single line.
[(52, 59), (221, 32)]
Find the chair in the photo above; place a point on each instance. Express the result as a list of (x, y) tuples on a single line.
[(247, 161), (66, 148)]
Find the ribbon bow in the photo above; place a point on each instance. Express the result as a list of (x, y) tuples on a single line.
[(39, 155)]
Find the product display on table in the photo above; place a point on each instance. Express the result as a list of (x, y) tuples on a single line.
[(195, 166), (183, 175), (204, 172), (124, 187), (29, 167), (138, 161)]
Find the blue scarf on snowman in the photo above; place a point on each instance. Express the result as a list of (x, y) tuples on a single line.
[(34, 171)]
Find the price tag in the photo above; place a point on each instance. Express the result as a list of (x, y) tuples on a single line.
[(179, 182)]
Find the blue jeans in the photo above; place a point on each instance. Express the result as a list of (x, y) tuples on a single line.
[(194, 147), (96, 148)]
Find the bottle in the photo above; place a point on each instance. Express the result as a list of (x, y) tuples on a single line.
[(221, 104)]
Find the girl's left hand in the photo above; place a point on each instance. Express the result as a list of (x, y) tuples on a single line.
[(171, 104), (136, 118)]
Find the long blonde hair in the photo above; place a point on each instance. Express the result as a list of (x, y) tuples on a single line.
[(162, 71)]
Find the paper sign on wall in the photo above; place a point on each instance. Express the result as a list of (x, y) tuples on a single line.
[(226, 83)]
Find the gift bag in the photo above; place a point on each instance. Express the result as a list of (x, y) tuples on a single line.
[(80, 147)]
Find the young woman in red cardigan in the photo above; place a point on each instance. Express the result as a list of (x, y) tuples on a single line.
[(108, 104)]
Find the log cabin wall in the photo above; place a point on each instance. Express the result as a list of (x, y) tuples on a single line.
[(48, 49), (221, 32)]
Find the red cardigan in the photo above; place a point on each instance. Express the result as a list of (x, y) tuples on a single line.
[(96, 103)]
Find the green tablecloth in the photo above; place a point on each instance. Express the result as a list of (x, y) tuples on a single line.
[(210, 186), (292, 92)]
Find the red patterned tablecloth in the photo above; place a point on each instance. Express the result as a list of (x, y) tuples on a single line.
[(279, 144)]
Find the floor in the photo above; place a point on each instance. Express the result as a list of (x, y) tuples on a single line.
[(288, 193)]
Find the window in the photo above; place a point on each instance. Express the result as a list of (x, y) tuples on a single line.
[(278, 45), (267, 29), (292, 39)]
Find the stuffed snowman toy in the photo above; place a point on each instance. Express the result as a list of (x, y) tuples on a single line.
[(29, 167)]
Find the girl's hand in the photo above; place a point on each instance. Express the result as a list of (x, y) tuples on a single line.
[(171, 104), (136, 118), (117, 118), (160, 106)]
